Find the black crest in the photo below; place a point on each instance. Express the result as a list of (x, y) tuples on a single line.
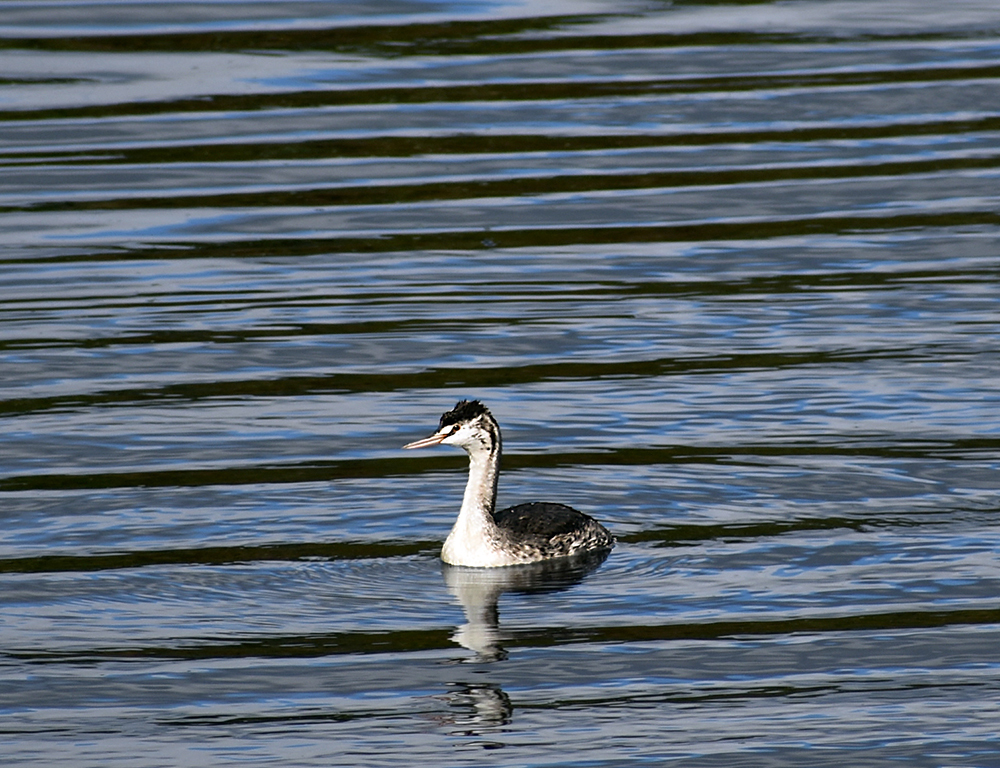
[(464, 410)]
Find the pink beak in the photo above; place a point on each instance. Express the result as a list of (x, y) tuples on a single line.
[(434, 439)]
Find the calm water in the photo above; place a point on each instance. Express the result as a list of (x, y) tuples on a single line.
[(728, 274)]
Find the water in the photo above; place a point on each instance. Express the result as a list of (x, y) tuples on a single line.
[(727, 274)]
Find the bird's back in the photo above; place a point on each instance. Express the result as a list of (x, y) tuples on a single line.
[(551, 530)]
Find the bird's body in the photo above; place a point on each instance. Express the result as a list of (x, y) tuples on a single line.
[(527, 533)]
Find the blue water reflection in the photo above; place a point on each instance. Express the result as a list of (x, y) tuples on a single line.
[(725, 273)]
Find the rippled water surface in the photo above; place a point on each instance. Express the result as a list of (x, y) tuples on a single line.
[(728, 274)]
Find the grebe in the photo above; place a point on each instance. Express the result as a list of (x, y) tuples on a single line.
[(527, 533)]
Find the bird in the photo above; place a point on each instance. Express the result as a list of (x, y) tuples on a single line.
[(526, 533)]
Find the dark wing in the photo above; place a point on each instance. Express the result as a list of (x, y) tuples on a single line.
[(543, 520)]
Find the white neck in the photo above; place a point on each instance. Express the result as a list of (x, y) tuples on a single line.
[(473, 538)]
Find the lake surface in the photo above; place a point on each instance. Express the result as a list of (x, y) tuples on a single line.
[(728, 275)]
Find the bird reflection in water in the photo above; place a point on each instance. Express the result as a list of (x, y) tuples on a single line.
[(480, 706), (479, 591)]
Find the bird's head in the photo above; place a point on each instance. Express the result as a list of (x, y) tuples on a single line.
[(469, 425)]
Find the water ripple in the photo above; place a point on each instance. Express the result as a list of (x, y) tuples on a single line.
[(726, 274)]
